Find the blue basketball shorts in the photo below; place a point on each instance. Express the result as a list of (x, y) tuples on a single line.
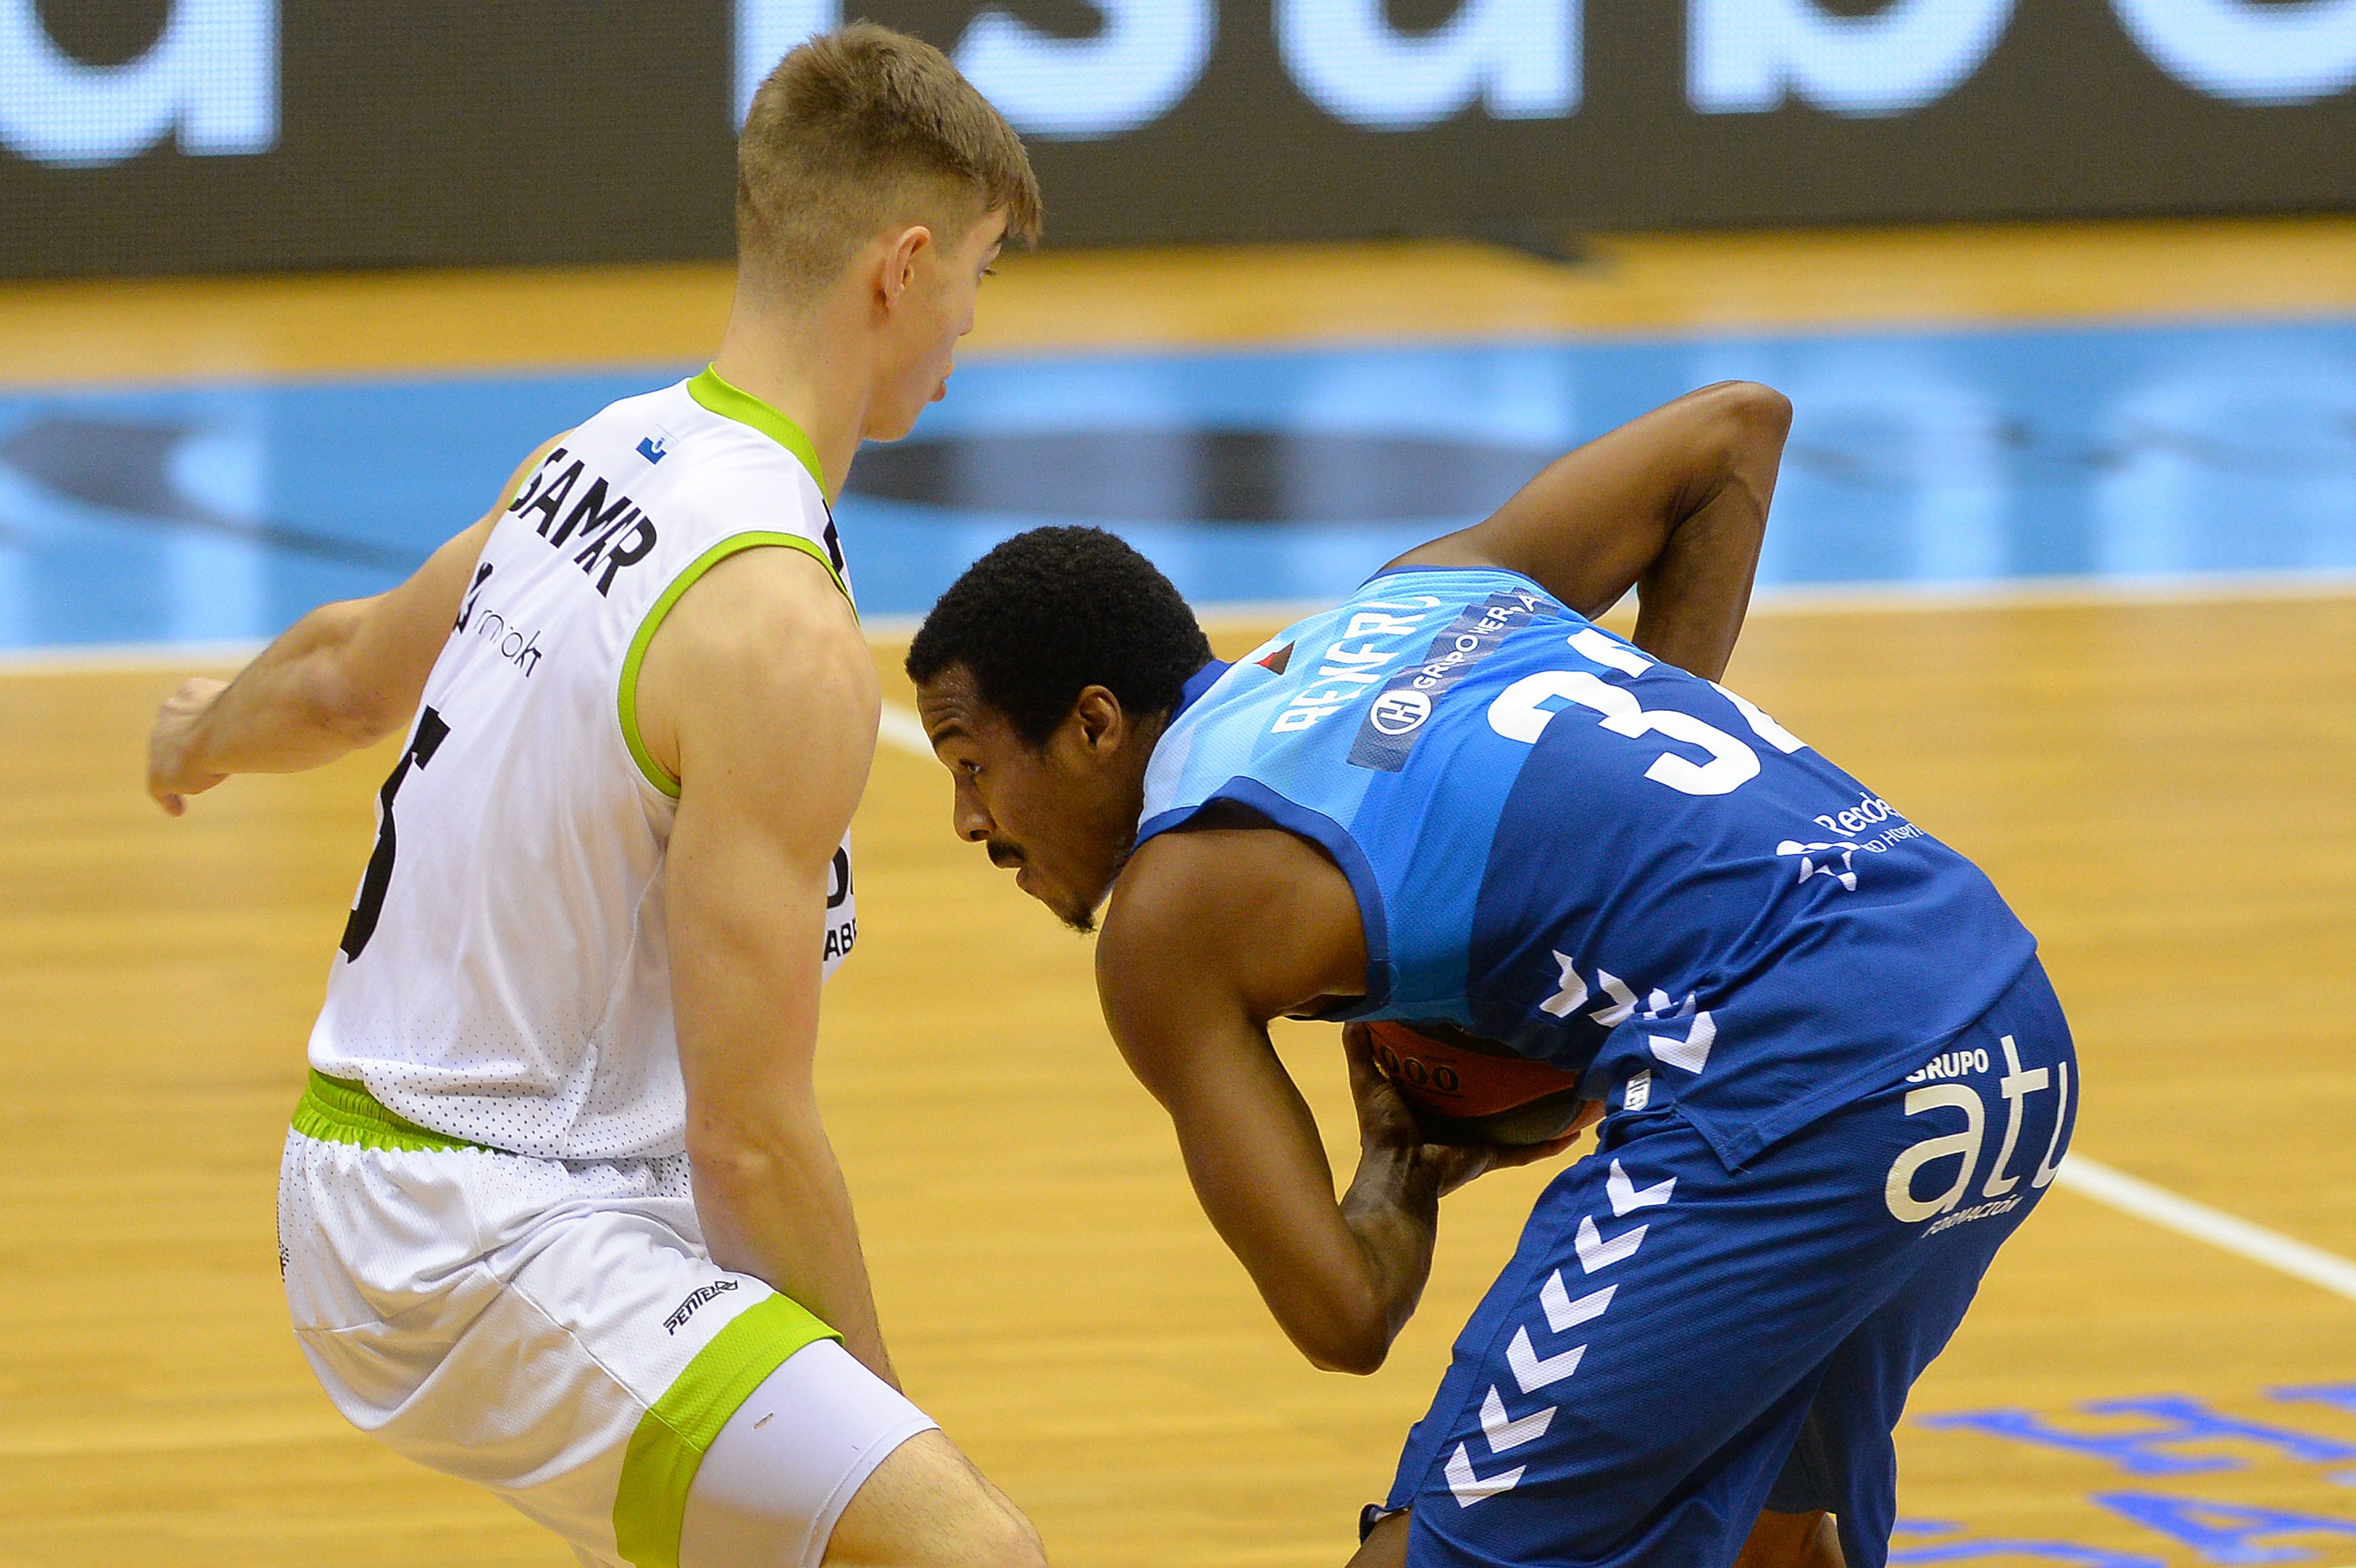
[(1676, 1345)]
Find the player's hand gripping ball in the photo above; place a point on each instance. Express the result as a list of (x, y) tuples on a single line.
[(1464, 1090)]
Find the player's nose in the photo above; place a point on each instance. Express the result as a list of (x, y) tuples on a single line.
[(969, 818)]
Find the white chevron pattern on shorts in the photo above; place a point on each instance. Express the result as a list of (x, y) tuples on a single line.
[(1624, 1001), (1510, 1433), (1595, 1252), (1692, 1053), (1471, 1488), (1533, 1373), (1564, 1314), (1626, 1197)]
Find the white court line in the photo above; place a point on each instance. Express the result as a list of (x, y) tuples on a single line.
[(1998, 594), (2132, 1194), (899, 727), (113, 657)]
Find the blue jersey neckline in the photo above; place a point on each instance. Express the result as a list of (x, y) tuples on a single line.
[(1200, 681)]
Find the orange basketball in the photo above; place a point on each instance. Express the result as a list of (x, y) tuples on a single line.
[(1467, 1090)]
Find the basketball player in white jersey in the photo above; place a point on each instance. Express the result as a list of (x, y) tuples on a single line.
[(557, 1213)]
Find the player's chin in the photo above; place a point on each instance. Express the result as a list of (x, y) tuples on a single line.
[(897, 418), (1077, 914)]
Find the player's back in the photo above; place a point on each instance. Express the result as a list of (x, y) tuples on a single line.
[(504, 976), (1596, 859)]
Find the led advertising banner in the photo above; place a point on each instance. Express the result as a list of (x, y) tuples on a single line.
[(171, 135)]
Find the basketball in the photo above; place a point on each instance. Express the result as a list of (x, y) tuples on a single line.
[(1467, 1090)]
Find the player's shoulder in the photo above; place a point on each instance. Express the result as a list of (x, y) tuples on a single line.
[(770, 609), (1232, 894), (761, 650)]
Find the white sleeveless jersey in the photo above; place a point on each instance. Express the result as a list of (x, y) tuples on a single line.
[(505, 975)]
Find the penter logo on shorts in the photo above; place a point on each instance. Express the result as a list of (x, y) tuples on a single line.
[(696, 1298)]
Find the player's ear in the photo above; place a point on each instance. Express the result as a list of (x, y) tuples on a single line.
[(1098, 715), (899, 269)]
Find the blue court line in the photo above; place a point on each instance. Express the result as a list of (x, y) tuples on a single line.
[(2110, 454)]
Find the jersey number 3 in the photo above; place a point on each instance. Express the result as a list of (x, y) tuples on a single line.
[(1521, 712), (361, 926)]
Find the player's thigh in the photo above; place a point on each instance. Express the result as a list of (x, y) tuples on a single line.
[(1844, 1460), (824, 1462), (1665, 1319), (927, 1507)]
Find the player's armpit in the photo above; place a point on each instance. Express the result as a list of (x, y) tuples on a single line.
[(1208, 936), (1676, 501), (759, 695)]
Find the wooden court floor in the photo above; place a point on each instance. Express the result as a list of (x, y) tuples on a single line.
[(2163, 789)]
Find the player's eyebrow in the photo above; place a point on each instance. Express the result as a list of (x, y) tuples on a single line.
[(947, 729)]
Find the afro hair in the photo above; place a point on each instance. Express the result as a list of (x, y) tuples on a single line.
[(1053, 611)]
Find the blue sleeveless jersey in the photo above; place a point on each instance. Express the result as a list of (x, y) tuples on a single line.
[(1594, 859)]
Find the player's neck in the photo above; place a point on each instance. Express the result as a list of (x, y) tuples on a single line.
[(783, 358)]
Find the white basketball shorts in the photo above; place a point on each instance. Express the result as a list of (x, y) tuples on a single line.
[(555, 1331)]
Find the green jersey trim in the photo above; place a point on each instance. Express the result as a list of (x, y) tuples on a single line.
[(667, 1449), (337, 1111), (722, 397), (736, 543)]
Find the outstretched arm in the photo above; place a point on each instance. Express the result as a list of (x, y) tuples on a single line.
[(760, 696), (1673, 504), (345, 675), (1211, 934)]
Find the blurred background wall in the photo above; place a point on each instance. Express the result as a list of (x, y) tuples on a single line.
[(206, 136)]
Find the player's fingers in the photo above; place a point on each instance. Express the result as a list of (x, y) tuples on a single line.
[(1366, 1079), (1462, 1162)]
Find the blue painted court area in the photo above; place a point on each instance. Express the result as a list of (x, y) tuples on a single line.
[(221, 513)]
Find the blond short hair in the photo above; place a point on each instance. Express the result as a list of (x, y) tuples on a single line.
[(859, 129)]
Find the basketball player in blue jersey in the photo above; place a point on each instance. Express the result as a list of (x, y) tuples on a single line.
[(1832, 1074)]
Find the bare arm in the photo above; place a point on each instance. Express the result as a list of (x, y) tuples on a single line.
[(1673, 504), (345, 675), (759, 694), (1210, 935)]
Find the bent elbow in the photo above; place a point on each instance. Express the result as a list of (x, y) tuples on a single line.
[(1357, 1343), (1360, 1361), (732, 1161), (340, 703), (1752, 412)]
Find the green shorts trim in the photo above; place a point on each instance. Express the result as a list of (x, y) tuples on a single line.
[(668, 1447), (337, 1111)]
